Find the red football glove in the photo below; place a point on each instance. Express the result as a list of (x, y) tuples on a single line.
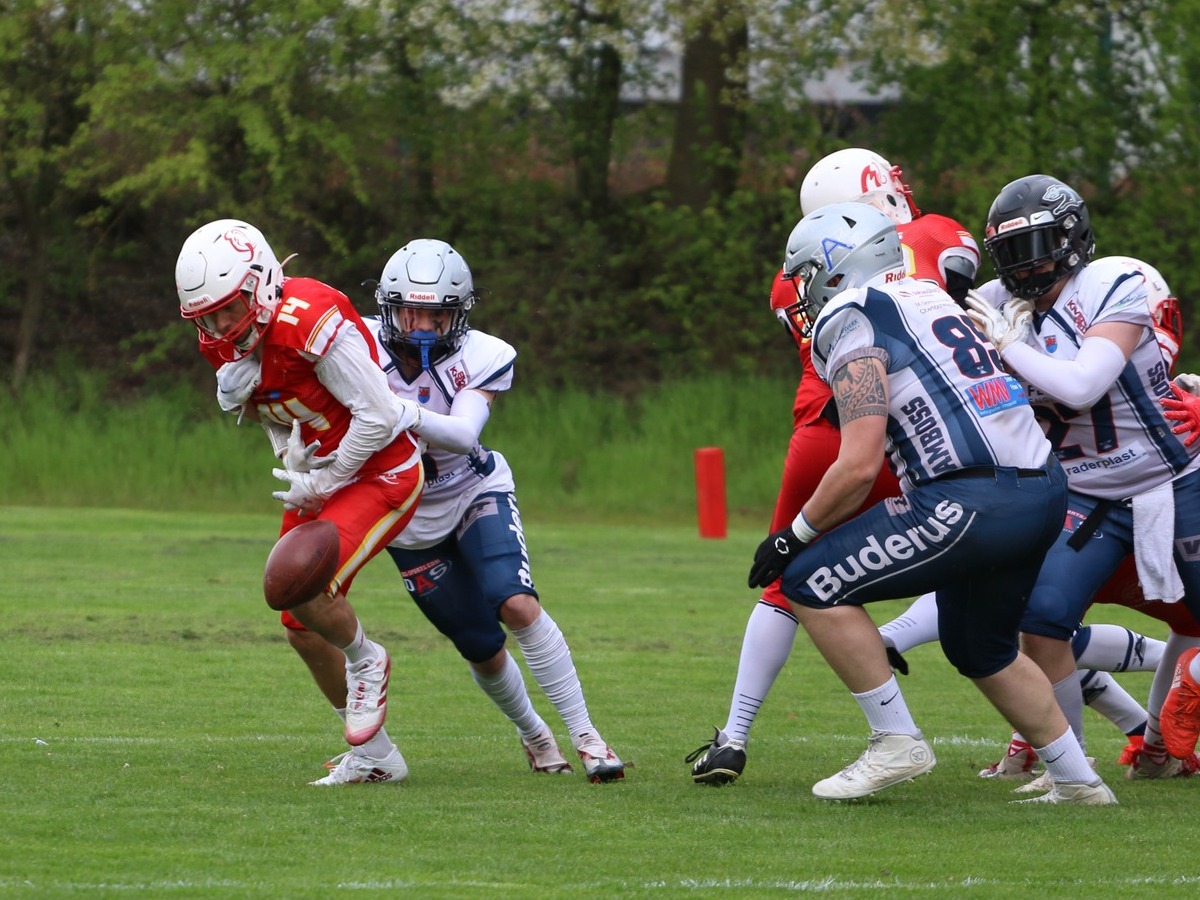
[(1183, 408)]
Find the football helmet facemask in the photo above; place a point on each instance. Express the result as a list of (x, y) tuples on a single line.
[(788, 307), (228, 263)]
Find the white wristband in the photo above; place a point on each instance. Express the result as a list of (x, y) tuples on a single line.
[(803, 529)]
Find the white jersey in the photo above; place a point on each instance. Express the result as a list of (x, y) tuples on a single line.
[(951, 405), (1123, 444), (452, 480)]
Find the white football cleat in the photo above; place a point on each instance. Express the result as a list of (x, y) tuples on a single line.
[(1098, 794), (889, 759), (366, 696), (599, 761), (1018, 762), (1044, 782), (1156, 762), (544, 756), (350, 768)]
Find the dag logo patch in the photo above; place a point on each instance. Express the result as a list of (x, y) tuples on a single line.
[(423, 393), (1051, 343)]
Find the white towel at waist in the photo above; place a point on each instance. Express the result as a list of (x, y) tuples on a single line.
[(1153, 543)]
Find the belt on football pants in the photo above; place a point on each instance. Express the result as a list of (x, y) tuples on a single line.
[(989, 472)]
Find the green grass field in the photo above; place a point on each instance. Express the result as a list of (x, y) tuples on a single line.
[(157, 736)]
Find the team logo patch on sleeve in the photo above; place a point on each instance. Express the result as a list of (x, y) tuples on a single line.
[(458, 376), (996, 394)]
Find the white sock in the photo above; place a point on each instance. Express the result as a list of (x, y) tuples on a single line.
[(1102, 693), (1111, 648), (770, 633), (359, 648), (886, 710), (507, 691), (549, 659), (377, 747), (915, 626), (1065, 761), (1070, 701)]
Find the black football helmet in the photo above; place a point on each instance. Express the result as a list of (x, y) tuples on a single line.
[(1035, 221)]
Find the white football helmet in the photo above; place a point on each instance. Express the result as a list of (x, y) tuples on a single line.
[(225, 261), (838, 247), (430, 275), (855, 174)]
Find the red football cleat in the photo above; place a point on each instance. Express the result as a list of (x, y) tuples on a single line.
[(1179, 719)]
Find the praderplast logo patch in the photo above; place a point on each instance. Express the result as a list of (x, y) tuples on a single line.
[(876, 556)]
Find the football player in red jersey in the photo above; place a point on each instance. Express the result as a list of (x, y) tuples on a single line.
[(937, 249), (294, 354)]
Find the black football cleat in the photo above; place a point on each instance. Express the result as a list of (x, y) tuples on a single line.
[(718, 762)]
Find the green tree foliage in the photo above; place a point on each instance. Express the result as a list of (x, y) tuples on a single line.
[(622, 216), (49, 55)]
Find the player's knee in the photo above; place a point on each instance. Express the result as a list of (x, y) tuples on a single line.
[(1050, 613), (520, 611)]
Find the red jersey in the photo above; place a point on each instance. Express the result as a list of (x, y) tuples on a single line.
[(309, 318), (927, 241)]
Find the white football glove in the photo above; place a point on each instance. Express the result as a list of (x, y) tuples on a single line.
[(307, 491), (1010, 324), (300, 458), (1189, 382), (236, 381)]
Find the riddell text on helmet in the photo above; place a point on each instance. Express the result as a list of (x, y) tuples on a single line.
[(877, 556)]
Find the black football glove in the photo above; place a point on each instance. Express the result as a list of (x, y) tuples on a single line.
[(773, 556)]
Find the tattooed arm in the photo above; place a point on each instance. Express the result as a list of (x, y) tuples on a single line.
[(860, 390)]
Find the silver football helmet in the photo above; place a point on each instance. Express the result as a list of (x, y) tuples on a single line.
[(222, 262), (424, 275), (838, 247)]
